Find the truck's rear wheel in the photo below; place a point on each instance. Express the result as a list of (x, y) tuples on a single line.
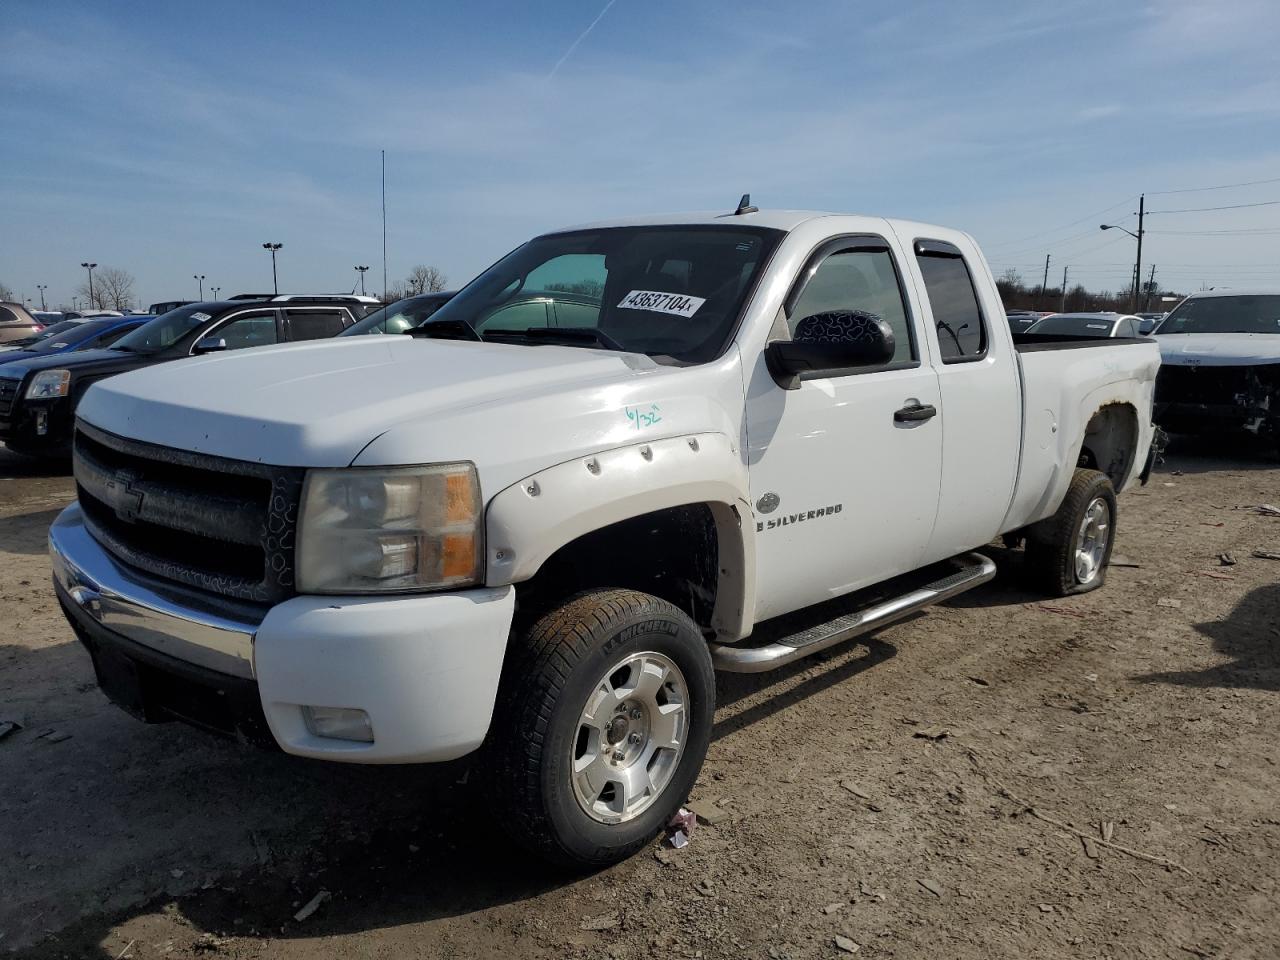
[(1069, 552), (602, 726)]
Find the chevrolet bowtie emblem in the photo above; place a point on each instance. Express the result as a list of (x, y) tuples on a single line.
[(125, 497)]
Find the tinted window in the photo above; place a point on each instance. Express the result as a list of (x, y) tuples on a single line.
[(397, 317), (250, 330), (673, 292), (961, 332), (858, 281), (7, 315), (103, 340), (572, 314), (165, 331), (517, 316), (314, 324)]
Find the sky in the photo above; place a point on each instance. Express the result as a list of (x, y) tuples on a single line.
[(172, 139)]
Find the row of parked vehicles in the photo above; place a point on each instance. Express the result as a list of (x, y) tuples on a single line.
[(531, 530)]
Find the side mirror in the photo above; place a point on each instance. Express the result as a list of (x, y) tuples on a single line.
[(828, 343), (209, 345)]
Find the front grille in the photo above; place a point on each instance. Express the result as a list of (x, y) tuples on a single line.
[(1209, 385), (8, 395), (226, 526)]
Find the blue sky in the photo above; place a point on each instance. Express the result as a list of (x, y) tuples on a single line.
[(172, 139)]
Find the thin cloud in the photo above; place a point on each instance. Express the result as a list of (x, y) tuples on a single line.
[(582, 36)]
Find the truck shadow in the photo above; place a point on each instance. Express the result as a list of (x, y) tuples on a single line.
[(1250, 636), (13, 465), (28, 533)]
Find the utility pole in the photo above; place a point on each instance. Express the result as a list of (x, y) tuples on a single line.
[(1064, 288), (1137, 269), (362, 271), (42, 287), (1044, 283), (93, 301), (1151, 286), (273, 247)]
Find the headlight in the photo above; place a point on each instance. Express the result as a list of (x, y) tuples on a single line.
[(48, 384), (390, 530)]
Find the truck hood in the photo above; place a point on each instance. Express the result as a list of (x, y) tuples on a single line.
[(1219, 349), (382, 400)]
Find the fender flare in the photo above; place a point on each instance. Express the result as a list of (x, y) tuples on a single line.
[(527, 522)]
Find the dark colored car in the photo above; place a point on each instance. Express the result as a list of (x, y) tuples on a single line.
[(70, 335), (16, 322), (400, 316), (38, 395), (164, 306)]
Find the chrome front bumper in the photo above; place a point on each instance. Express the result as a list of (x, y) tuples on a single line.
[(172, 620)]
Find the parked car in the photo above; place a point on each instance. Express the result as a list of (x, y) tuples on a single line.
[(1220, 352), (164, 306), (1149, 322), (101, 313), (401, 315), (48, 317), (1087, 325), (71, 335), (16, 322), (540, 541), (39, 395)]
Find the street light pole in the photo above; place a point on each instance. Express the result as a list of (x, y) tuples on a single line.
[(1137, 264), (273, 247), (362, 271), (92, 299), (199, 278), (214, 291), (42, 287)]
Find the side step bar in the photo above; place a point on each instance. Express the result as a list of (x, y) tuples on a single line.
[(974, 570)]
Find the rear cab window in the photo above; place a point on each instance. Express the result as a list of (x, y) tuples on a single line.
[(953, 300)]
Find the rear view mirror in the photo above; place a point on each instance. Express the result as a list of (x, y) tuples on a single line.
[(209, 345), (827, 343)]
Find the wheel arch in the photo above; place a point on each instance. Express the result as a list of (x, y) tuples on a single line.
[(1110, 442), (564, 527)]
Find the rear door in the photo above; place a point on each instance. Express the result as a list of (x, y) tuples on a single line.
[(314, 322), (981, 393), (845, 488)]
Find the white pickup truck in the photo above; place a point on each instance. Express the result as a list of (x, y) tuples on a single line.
[(624, 457)]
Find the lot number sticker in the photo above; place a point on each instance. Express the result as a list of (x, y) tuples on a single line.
[(676, 303)]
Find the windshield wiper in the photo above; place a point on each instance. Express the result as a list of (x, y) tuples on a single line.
[(445, 330), (570, 334)]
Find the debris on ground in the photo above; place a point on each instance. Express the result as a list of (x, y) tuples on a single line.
[(1213, 576), (312, 905), (1226, 559), (1260, 554), (680, 827), (9, 726), (708, 812), (209, 943), (980, 681), (831, 908), (932, 733), (705, 888), (1169, 602), (1046, 908), (1090, 848), (846, 945), (855, 789), (605, 921), (930, 886), (1120, 560), (1268, 510)]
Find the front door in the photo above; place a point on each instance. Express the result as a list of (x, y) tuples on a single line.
[(845, 494)]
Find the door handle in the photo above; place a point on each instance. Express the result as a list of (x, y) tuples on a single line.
[(915, 413)]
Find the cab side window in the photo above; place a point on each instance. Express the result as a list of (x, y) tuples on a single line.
[(517, 316), (962, 331), (315, 324), (856, 282)]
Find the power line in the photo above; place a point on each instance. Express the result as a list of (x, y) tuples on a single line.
[(1233, 206), (1044, 233), (1221, 186)]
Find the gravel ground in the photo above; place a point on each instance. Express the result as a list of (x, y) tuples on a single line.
[(1001, 777)]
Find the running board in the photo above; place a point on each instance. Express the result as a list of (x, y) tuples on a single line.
[(974, 570)]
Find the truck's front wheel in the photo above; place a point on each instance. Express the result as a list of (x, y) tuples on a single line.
[(1069, 552), (603, 722)]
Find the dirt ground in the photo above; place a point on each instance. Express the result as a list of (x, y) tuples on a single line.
[(946, 788)]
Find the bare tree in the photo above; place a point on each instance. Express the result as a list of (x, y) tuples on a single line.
[(425, 279), (112, 289), (393, 294)]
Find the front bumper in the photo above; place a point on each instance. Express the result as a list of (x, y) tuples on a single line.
[(424, 668), (37, 427)]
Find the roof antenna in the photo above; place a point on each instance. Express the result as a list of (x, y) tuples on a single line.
[(744, 206)]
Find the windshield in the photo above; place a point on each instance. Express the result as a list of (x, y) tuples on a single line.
[(1073, 326), (672, 292), (1242, 314), (62, 326), (164, 331), (399, 316)]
